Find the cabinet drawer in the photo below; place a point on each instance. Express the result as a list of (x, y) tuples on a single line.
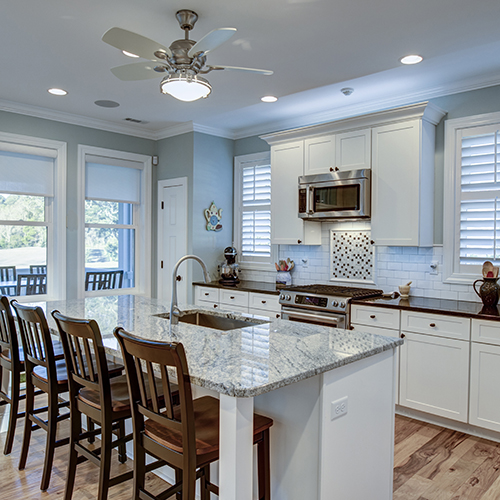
[(207, 294), (264, 301), (375, 316), (453, 327), (487, 332), (376, 330), (233, 298), (234, 309), (264, 314)]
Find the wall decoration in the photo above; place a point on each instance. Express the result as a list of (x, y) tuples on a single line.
[(213, 217), (351, 256)]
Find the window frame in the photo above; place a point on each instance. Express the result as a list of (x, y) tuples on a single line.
[(141, 224), (454, 128), (55, 209), (239, 162)]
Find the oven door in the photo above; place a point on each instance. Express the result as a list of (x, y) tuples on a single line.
[(313, 317)]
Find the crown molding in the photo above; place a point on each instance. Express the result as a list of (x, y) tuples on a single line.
[(186, 127), (59, 116), (371, 106)]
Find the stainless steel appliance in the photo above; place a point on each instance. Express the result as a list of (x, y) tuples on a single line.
[(334, 196), (327, 305), (229, 268)]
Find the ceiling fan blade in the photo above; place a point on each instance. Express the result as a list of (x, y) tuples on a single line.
[(136, 71), (134, 43), (250, 70), (212, 40)]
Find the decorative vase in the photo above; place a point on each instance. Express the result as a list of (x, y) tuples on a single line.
[(488, 291), (283, 278)]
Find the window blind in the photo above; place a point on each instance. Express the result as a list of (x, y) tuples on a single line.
[(256, 211), (480, 199), (26, 174)]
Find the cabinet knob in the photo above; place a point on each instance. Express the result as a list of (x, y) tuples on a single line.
[(232, 298), (337, 169), (402, 335), (215, 306), (372, 316), (331, 169), (264, 301), (178, 277), (432, 325), (278, 315), (299, 241), (206, 294)]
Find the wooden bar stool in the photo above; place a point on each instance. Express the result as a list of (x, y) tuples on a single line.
[(185, 437), (47, 374), (94, 392), (12, 362)]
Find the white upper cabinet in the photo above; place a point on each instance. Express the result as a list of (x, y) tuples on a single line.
[(353, 150), (319, 155), (287, 164)]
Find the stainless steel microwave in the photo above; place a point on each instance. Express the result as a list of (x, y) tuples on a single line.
[(336, 195)]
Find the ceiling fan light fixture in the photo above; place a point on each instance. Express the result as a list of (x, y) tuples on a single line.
[(185, 88)]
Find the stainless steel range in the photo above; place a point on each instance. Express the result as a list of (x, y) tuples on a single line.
[(327, 305)]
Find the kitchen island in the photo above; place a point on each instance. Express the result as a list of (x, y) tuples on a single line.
[(330, 393)]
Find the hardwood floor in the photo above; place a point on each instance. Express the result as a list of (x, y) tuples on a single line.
[(430, 463), (433, 463)]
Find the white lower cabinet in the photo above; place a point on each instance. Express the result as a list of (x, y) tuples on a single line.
[(434, 375)]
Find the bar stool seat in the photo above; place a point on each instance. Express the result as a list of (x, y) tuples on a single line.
[(206, 426)]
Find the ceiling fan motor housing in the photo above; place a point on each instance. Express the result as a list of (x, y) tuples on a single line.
[(187, 19)]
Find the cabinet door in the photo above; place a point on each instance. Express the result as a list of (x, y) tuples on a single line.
[(287, 164), (263, 301), (230, 298), (319, 155), (395, 184), (434, 375), (485, 374), (353, 150), (379, 317)]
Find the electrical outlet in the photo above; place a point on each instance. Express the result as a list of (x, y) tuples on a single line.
[(434, 267), (339, 408), (305, 262)]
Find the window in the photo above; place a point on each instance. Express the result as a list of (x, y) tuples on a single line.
[(32, 217), (472, 197), (252, 211), (116, 221)]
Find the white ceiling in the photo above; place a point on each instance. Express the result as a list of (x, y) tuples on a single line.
[(314, 47)]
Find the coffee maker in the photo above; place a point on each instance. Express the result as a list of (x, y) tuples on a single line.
[(229, 269)]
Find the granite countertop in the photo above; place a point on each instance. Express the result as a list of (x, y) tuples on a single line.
[(243, 362), (437, 306), (244, 286)]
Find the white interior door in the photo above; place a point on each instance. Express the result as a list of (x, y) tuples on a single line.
[(172, 236)]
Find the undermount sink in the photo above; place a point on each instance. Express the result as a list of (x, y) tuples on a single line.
[(216, 322)]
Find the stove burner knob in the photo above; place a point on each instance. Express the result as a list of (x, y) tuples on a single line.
[(287, 297), (335, 303), (342, 305), (282, 297)]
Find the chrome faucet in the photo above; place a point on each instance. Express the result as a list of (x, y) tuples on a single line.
[(174, 308)]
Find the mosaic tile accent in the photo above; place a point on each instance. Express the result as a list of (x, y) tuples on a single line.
[(351, 255)]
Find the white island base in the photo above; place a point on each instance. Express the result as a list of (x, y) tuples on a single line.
[(312, 456)]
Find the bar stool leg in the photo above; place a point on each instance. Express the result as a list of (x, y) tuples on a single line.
[(178, 479), (30, 402), (106, 438), (205, 479), (122, 448), (264, 467), (140, 471), (14, 409), (76, 430), (51, 441)]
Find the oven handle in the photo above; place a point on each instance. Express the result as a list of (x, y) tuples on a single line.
[(310, 200), (333, 320)]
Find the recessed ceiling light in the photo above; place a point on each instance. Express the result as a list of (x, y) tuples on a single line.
[(411, 59), (347, 91), (129, 54), (269, 98), (57, 92)]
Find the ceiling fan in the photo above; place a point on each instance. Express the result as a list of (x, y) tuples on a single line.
[(183, 61)]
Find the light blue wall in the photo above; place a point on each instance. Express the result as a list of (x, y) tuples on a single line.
[(250, 145), (73, 135)]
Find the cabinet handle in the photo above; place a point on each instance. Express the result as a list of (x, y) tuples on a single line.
[(372, 316), (263, 301), (402, 335), (232, 298), (278, 315), (215, 306), (299, 241), (206, 294), (331, 169), (432, 325), (337, 169)]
